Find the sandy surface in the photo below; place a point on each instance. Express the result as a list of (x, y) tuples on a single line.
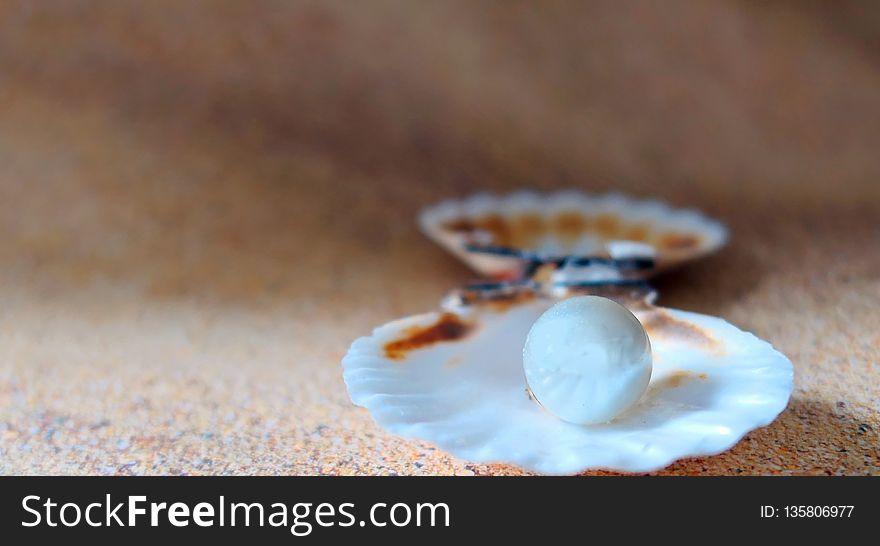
[(197, 219)]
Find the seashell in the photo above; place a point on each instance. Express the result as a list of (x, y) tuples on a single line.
[(499, 236), (455, 378)]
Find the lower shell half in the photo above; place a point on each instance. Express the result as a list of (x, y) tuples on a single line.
[(454, 378)]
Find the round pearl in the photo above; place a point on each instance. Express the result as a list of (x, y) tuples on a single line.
[(587, 359)]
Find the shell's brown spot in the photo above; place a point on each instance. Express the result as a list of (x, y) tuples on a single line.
[(526, 228), (449, 327), (637, 232), (569, 226), (679, 377), (497, 226), (679, 241), (607, 225), (459, 225), (660, 324)]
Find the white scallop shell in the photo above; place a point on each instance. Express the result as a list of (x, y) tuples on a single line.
[(566, 223), (712, 383)]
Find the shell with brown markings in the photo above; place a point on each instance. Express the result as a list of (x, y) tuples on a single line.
[(455, 378), (565, 223)]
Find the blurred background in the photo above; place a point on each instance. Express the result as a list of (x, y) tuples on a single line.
[(202, 204)]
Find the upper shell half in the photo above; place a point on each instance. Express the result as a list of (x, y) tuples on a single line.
[(455, 378), (563, 224)]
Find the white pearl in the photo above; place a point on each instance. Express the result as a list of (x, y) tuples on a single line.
[(587, 359)]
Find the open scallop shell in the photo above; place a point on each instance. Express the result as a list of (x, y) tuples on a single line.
[(563, 224), (455, 378)]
